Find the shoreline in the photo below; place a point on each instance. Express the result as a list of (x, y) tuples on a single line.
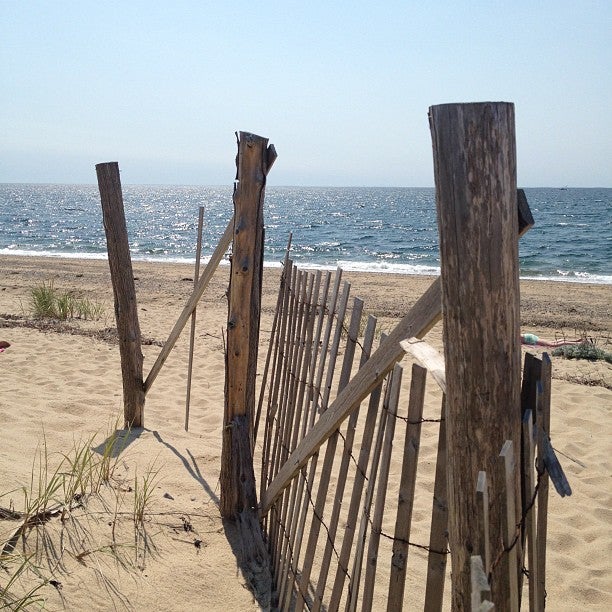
[(349, 266), (579, 304)]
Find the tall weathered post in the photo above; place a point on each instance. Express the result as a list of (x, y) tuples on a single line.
[(126, 312), (253, 162), (475, 173), (238, 493)]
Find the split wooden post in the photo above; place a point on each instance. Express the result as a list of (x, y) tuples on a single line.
[(476, 197), (122, 277), (254, 160)]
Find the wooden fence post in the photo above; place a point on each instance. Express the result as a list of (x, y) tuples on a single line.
[(126, 312), (238, 499), (237, 475), (475, 173)]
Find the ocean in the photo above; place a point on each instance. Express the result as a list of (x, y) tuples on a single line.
[(358, 228)]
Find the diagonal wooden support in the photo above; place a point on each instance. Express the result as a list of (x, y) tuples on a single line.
[(192, 303)]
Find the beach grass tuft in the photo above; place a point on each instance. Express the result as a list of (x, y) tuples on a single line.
[(143, 490), (46, 302)]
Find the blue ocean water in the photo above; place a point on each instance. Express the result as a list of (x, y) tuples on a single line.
[(359, 228)]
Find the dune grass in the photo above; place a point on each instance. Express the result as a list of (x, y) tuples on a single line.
[(46, 302), (56, 489)]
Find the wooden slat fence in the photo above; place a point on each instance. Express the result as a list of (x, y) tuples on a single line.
[(340, 534), (329, 533)]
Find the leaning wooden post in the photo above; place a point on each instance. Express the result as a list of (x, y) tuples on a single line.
[(253, 162), (475, 173), (126, 312)]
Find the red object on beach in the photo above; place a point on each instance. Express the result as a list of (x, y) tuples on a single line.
[(4, 344)]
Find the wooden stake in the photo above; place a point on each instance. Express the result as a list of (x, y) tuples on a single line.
[(530, 515), (126, 311), (196, 277), (244, 302)]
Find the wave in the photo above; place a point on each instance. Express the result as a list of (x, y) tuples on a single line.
[(378, 267)]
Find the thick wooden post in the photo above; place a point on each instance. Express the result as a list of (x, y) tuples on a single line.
[(238, 493), (126, 312), (475, 173), (237, 476)]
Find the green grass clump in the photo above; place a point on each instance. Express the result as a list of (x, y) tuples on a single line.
[(48, 303), (584, 350)]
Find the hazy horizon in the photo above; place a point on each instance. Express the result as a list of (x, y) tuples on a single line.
[(341, 89)]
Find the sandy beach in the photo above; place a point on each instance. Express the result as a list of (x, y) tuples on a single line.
[(61, 389)]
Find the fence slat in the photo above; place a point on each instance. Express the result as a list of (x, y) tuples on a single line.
[(511, 537), (305, 286), (278, 414), (273, 342), (428, 357), (530, 525), (306, 477), (481, 590), (355, 577), (543, 423), (412, 441), (351, 343), (303, 348), (358, 484), (381, 492), (283, 299), (438, 538)]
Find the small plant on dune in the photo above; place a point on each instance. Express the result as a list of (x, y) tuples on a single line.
[(88, 310), (42, 300), (47, 303), (44, 487), (80, 475), (143, 490), (584, 350), (110, 454)]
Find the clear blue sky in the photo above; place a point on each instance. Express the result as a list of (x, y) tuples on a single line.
[(341, 88)]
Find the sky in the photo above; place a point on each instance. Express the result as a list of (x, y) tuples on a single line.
[(341, 88)]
